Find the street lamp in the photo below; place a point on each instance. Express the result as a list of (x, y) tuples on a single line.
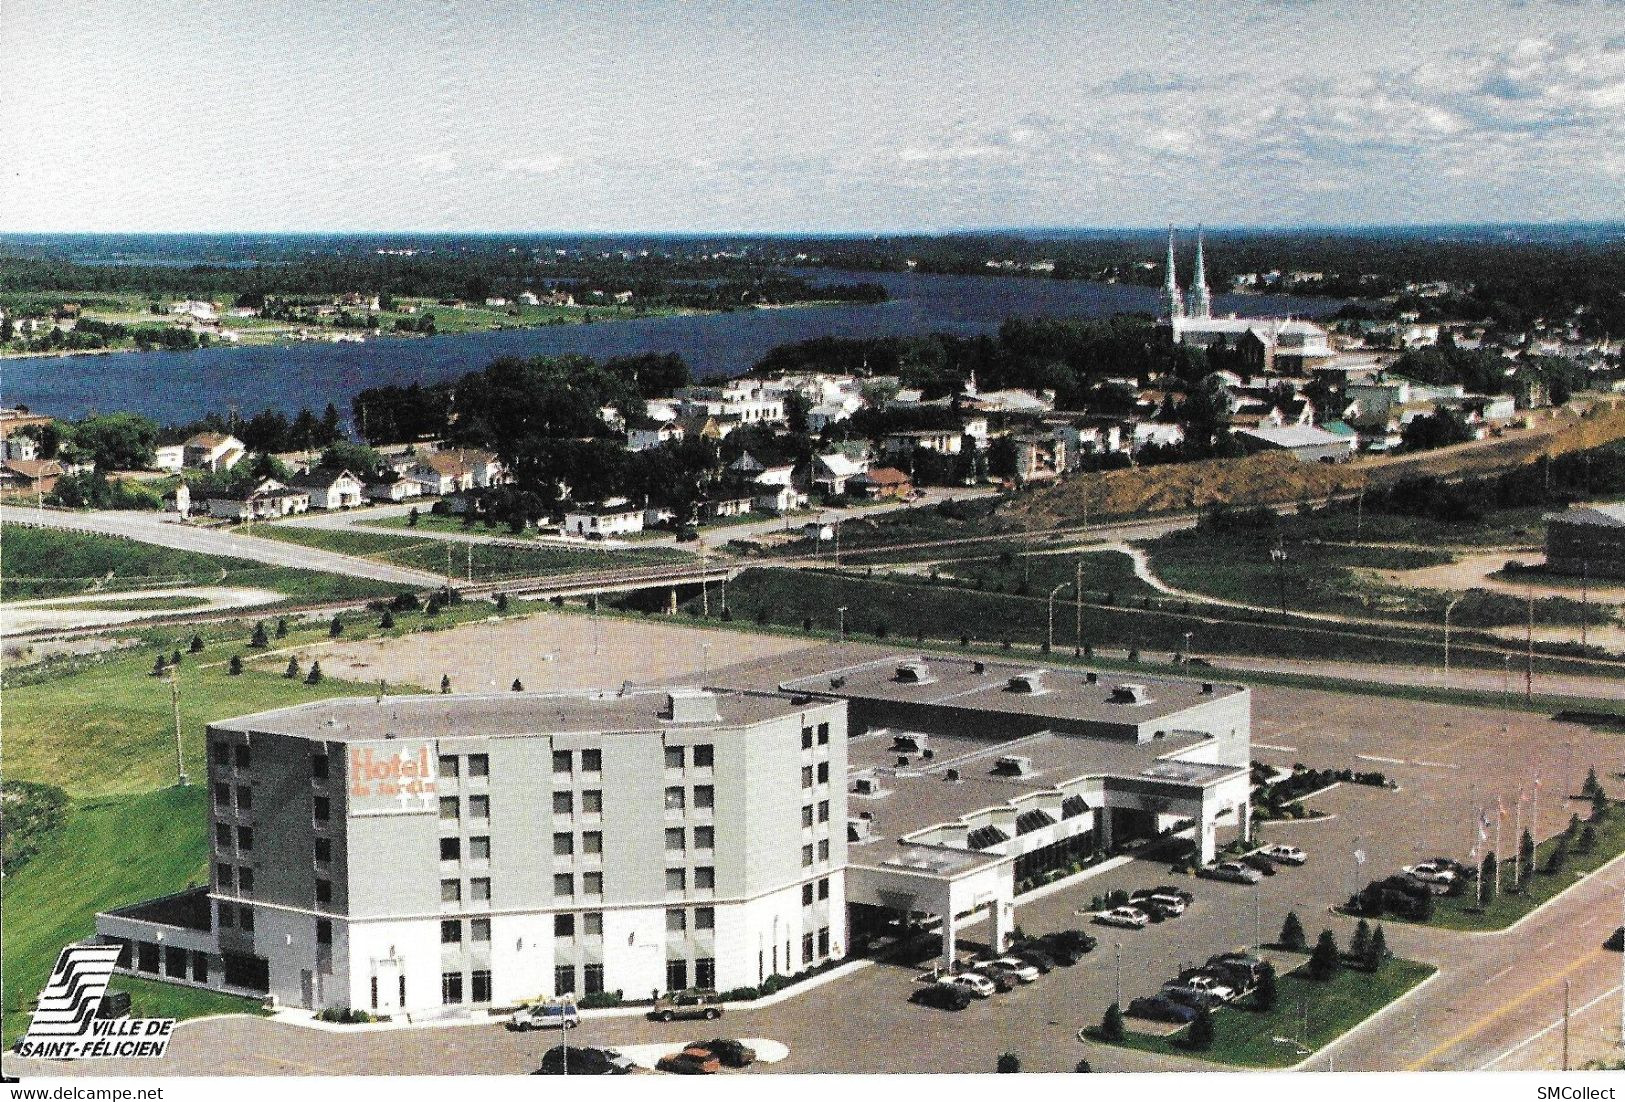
[(842, 611), (1448, 609), (1119, 1000), (1278, 557), (1050, 644)]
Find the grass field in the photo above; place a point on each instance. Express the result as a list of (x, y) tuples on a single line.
[(1104, 573), (166, 603), (40, 562), (1246, 1038), (486, 562), (435, 522)]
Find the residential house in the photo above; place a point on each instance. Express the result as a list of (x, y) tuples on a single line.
[(942, 441), (882, 482), (601, 520), (330, 488), (722, 507), (1039, 456), (1306, 442), (768, 470), (777, 497), (667, 432), (454, 469), (830, 473), (398, 488), (213, 451), (29, 476), (169, 457), (747, 400), (260, 500), (1148, 433), (201, 311)]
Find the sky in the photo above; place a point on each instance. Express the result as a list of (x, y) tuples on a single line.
[(925, 115)]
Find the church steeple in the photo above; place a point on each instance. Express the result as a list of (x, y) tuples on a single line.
[(1173, 303), (1201, 301)]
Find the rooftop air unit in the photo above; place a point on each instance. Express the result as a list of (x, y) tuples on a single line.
[(1030, 682), (913, 673), (863, 786), (1013, 765), (692, 706), (857, 830), (909, 742), (1091, 678), (1130, 694)]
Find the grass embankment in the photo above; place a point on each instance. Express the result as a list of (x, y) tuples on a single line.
[(166, 603), (436, 522), (1104, 573), (911, 607), (485, 561), (1310, 1013), (43, 562)]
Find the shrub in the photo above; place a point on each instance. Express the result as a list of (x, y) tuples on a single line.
[(1558, 857), (1588, 839), (1376, 950), (386, 622), (175, 659), (1590, 786), (1360, 943), (293, 667), (235, 666), (1083, 1066), (314, 677), (197, 644), (1200, 1036), (282, 627), (1267, 992), (1111, 1026), (159, 665), (1009, 1063), (405, 602), (445, 683), (600, 1000), (1325, 960), (502, 602), (518, 685), (259, 639), (740, 995)]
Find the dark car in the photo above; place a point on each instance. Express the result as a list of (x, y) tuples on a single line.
[(578, 1060), (1001, 979), (942, 996), (1163, 889), (1068, 946), (730, 1053), (689, 1062), (1261, 863), (1037, 958), (687, 1004), (1196, 1000), (1158, 1008), (1241, 971)]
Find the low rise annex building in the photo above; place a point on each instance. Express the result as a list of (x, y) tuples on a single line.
[(434, 854)]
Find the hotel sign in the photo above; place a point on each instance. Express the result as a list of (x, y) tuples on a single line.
[(396, 777)]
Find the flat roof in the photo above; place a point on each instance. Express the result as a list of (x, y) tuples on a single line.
[(505, 715)]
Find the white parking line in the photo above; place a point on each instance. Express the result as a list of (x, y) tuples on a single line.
[(1282, 749), (1436, 764), (1374, 757)]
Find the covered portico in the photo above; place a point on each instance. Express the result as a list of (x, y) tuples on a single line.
[(955, 885)]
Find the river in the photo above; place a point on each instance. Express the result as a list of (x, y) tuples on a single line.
[(175, 387)]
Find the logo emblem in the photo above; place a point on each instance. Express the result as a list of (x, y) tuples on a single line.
[(65, 1025)]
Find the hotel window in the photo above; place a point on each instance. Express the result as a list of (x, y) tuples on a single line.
[(321, 809), (807, 894), (245, 880), (823, 772), (479, 889), (704, 756), (807, 816), (479, 765), (564, 979), (806, 947), (222, 835), (318, 766), (480, 985), (451, 891), (592, 883), (324, 891), (244, 757), (806, 855), (705, 972), (705, 877), (245, 918), (592, 802), (564, 925), (222, 795), (676, 880), (450, 807), (228, 915), (564, 803), (705, 797), (676, 840), (674, 757), (564, 845), (479, 929), (564, 884), (451, 849), (479, 807), (823, 811), (823, 942), (323, 850), (451, 988), (324, 932), (676, 975), (479, 848), (705, 918), (592, 761), (705, 837), (245, 838), (823, 888), (806, 738), (592, 924), (823, 849), (675, 800), (806, 776), (592, 843), (448, 766), (451, 932), (224, 875), (592, 979), (823, 734), (563, 763), (676, 920)]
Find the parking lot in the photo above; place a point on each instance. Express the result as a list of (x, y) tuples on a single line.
[(1448, 761)]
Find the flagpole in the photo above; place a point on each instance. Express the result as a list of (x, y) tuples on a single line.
[(1500, 817), (1517, 840)]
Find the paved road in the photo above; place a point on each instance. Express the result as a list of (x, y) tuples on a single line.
[(166, 531)]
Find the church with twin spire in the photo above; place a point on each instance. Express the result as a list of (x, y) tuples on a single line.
[(1173, 300)]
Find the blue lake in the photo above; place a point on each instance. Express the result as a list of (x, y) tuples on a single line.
[(183, 386)]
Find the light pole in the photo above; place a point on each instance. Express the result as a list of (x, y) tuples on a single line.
[(1278, 557), (1188, 645), (1448, 609), (1077, 581), (705, 663), (842, 611), (175, 711), (1049, 644), (1119, 999)]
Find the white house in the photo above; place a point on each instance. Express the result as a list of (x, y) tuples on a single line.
[(456, 469), (399, 489), (259, 501), (1147, 433), (777, 497), (830, 473), (603, 519), (667, 432), (213, 451), (329, 488), (202, 311)]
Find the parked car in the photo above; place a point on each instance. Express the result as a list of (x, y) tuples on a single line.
[(1259, 863), (1285, 854), (1021, 969), (980, 986), (1462, 870), (1178, 893), (686, 1004), (1160, 1008), (1191, 996), (1429, 873), (689, 1062), (1233, 871), (551, 1014), (577, 1060), (1036, 958), (1001, 980), (1068, 946), (1242, 970), (1169, 906), (731, 1053), (1203, 979), (942, 996), (1128, 917)]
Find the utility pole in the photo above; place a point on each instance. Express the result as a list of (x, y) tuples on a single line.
[(1077, 631), (175, 711), (1119, 999), (471, 563), (1529, 649), (1049, 644), (1448, 609), (1278, 557), (1566, 984), (1585, 598)]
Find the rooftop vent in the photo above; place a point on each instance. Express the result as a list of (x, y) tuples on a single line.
[(692, 706), (1073, 806), (837, 682), (1030, 682), (927, 753), (1013, 765), (857, 830), (1091, 678), (913, 673), (979, 667), (863, 786), (1207, 688), (1130, 694), (984, 837), (902, 759)]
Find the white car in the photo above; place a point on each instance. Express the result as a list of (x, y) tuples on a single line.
[(1233, 871), (1020, 969), (1170, 905), (1285, 855), (1131, 917), (1212, 986), (1429, 874), (545, 1015), (980, 986)]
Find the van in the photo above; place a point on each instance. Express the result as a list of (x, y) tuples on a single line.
[(686, 1004), (549, 1014)]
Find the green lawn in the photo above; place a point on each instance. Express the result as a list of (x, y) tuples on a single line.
[(1104, 573), (490, 562), (131, 604), (1246, 1038), (435, 522), (1463, 912), (40, 562)]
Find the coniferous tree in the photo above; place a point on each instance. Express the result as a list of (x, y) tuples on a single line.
[(197, 644), (315, 675), (1324, 961), (235, 666), (259, 638), (1267, 992), (1111, 1026), (1201, 1030), (1292, 935), (445, 683)]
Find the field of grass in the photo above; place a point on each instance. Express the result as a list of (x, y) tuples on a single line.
[(434, 522), (41, 562), (164, 603), (1246, 1038), (490, 562), (1104, 573)]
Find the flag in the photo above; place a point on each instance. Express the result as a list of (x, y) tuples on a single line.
[(1359, 857)]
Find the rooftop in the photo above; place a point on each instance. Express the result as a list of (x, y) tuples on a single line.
[(1602, 515)]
